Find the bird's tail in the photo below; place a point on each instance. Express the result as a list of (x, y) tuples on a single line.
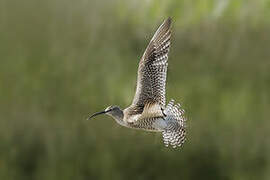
[(175, 132)]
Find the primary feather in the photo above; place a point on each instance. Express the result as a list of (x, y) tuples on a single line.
[(151, 80)]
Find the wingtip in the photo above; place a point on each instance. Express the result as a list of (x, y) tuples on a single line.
[(166, 24), (168, 21)]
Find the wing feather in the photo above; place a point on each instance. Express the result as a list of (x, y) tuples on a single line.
[(151, 80)]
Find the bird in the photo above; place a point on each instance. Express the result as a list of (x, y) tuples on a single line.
[(148, 110)]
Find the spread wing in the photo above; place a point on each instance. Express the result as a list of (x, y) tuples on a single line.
[(151, 80)]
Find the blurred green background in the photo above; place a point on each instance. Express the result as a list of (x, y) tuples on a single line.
[(63, 59)]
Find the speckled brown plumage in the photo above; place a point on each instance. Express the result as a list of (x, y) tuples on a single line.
[(152, 71), (148, 111)]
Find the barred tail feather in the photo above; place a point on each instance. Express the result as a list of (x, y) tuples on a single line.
[(175, 132)]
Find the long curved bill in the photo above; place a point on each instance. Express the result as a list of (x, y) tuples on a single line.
[(98, 113)]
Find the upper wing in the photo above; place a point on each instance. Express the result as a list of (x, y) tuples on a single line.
[(151, 80)]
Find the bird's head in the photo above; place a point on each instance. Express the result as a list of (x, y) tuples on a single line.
[(113, 111)]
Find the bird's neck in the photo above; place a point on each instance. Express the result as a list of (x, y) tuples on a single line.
[(118, 117), (120, 121)]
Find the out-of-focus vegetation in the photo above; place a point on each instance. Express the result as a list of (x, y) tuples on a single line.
[(61, 60)]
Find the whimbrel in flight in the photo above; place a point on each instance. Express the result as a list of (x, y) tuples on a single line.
[(148, 110)]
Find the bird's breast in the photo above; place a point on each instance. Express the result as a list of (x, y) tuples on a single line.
[(132, 118)]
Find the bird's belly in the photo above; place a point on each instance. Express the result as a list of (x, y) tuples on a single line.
[(149, 124), (159, 124)]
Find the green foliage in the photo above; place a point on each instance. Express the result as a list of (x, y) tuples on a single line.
[(61, 60)]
